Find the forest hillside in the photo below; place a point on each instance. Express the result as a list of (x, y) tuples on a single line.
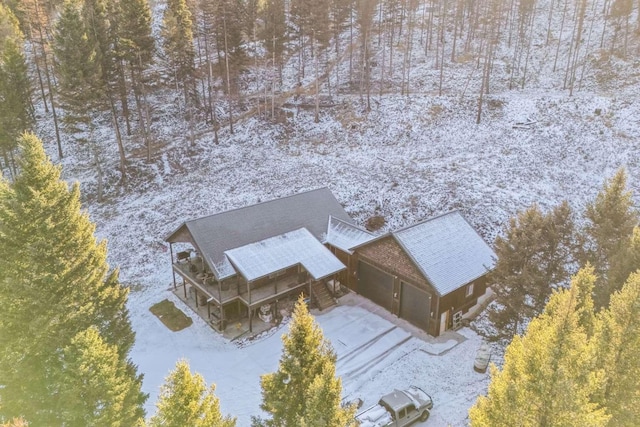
[(167, 110)]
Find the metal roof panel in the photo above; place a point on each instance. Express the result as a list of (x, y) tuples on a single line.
[(448, 251)]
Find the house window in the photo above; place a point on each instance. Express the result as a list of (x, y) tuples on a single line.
[(469, 290)]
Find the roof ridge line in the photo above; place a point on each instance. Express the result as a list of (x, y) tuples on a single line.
[(428, 220), (260, 203)]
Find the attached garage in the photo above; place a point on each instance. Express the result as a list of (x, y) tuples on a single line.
[(415, 306), (429, 274), (375, 284)]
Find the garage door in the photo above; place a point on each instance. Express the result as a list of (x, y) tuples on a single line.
[(375, 284), (415, 306)]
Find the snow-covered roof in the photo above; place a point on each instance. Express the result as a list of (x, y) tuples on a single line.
[(267, 256), (447, 250), (213, 235), (345, 236)]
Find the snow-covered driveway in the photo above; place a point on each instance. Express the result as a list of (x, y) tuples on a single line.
[(374, 356)]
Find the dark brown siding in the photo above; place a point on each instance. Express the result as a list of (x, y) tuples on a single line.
[(458, 301), (343, 276)]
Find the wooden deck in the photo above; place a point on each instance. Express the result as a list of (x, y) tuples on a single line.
[(221, 294)]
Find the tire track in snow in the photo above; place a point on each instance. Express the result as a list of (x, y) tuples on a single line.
[(362, 347), (372, 353)]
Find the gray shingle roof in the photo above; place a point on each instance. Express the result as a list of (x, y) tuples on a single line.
[(260, 259), (345, 236), (215, 234), (447, 250)]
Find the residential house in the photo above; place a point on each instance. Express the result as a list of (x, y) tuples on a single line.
[(430, 273), (237, 261)]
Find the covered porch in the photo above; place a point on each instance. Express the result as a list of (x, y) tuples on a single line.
[(218, 300), (253, 279)]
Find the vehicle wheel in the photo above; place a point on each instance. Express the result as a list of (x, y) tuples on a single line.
[(424, 416)]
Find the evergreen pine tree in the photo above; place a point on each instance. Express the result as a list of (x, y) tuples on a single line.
[(185, 401), (548, 377), (229, 15), (610, 218), (98, 31), (97, 388), (273, 32), (136, 42), (178, 43), (136, 48), (178, 48), (78, 68), (323, 401), (626, 262), (306, 369), (617, 340), (54, 283), (16, 114), (532, 259)]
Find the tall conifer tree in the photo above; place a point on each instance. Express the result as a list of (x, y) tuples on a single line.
[(136, 42), (54, 283), (136, 45), (78, 68), (178, 48), (274, 31), (16, 114), (306, 370), (611, 218), (97, 388), (617, 340), (532, 260), (627, 261), (178, 43), (549, 375), (185, 401)]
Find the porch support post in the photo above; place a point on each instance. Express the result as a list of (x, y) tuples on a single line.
[(196, 294), (250, 319), (223, 323), (184, 287), (172, 269)]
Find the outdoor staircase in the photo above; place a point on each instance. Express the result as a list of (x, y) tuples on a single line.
[(322, 296)]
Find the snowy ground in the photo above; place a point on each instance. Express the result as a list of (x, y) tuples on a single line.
[(407, 159), (374, 357)]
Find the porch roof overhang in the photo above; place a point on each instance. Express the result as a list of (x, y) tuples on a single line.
[(257, 260)]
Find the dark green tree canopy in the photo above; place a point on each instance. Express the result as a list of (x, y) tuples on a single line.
[(532, 260), (54, 284), (16, 115), (610, 220), (78, 67)]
